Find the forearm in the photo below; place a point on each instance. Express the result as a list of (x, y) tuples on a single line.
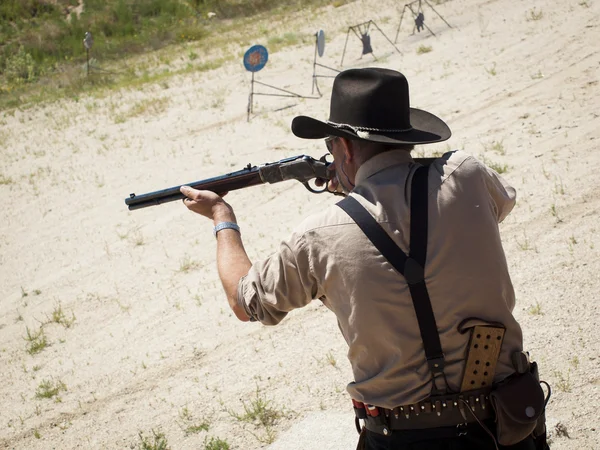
[(232, 261)]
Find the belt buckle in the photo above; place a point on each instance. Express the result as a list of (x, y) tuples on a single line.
[(461, 429)]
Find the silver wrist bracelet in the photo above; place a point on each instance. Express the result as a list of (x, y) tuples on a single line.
[(225, 225)]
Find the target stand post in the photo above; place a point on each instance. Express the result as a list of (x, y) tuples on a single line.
[(319, 51), (362, 31), (255, 59), (419, 17), (88, 41)]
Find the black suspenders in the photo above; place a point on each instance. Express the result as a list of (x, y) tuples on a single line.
[(411, 266)]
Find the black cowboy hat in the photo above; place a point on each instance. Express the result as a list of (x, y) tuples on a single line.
[(372, 104)]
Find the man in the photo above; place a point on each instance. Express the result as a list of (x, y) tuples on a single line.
[(396, 390)]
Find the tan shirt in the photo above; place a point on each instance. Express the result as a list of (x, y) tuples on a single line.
[(329, 257)]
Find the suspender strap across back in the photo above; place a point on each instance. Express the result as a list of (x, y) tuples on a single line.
[(412, 266)]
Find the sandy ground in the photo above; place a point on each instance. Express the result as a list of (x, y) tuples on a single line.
[(138, 335)]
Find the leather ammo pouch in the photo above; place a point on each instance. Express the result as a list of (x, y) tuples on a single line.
[(519, 404)]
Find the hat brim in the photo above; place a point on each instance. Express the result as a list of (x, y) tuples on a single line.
[(426, 129)]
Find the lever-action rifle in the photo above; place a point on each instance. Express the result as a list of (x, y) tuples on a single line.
[(302, 168)]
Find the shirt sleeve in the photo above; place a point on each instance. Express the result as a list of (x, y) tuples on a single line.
[(277, 285), (502, 194)]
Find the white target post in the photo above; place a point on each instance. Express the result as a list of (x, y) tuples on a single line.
[(320, 51)]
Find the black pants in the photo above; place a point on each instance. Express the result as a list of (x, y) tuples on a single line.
[(473, 437)]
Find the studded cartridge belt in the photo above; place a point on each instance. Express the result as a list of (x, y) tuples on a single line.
[(433, 412)]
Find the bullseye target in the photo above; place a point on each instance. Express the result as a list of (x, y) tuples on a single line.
[(255, 58)]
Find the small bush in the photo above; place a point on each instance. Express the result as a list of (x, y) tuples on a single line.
[(215, 444), (20, 67), (49, 389), (36, 341), (158, 441)]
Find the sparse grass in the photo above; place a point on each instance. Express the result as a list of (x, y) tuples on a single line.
[(99, 180), (424, 49), (218, 102), (554, 213), (151, 106), (331, 359), (563, 382), (491, 70), (137, 238), (559, 187), (498, 167), (211, 65), (261, 413), (190, 425), (497, 146), (158, 441), (125, 307), (187, 263), (215, 444), (4, 180), (122, 233), (197, 428), (525, 245), (58, 316), (545, 172), (538, 75), (278, 42), (36, 341), (534, 15), (532, 129), (50, 389), (575, 362), (535, 310)]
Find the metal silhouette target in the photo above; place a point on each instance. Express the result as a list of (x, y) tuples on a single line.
[(255, 58), (88, 41), (321, 43)]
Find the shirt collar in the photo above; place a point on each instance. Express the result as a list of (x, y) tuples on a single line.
[(381, 161)]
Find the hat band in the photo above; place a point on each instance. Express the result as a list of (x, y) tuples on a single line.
[(366, 132)]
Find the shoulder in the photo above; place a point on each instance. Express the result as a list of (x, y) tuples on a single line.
[(319, 233), (457, 163), (330, 218), (456, 159)]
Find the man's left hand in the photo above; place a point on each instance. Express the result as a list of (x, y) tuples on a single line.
[(207, 204)]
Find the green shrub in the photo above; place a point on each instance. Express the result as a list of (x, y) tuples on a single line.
[(20, 67)]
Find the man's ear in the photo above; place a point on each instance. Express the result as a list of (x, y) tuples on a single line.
[(348, 149)]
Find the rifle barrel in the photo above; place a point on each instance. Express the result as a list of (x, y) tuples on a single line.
[(221, 184)]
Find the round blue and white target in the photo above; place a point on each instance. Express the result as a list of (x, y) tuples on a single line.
[(255, 58)]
